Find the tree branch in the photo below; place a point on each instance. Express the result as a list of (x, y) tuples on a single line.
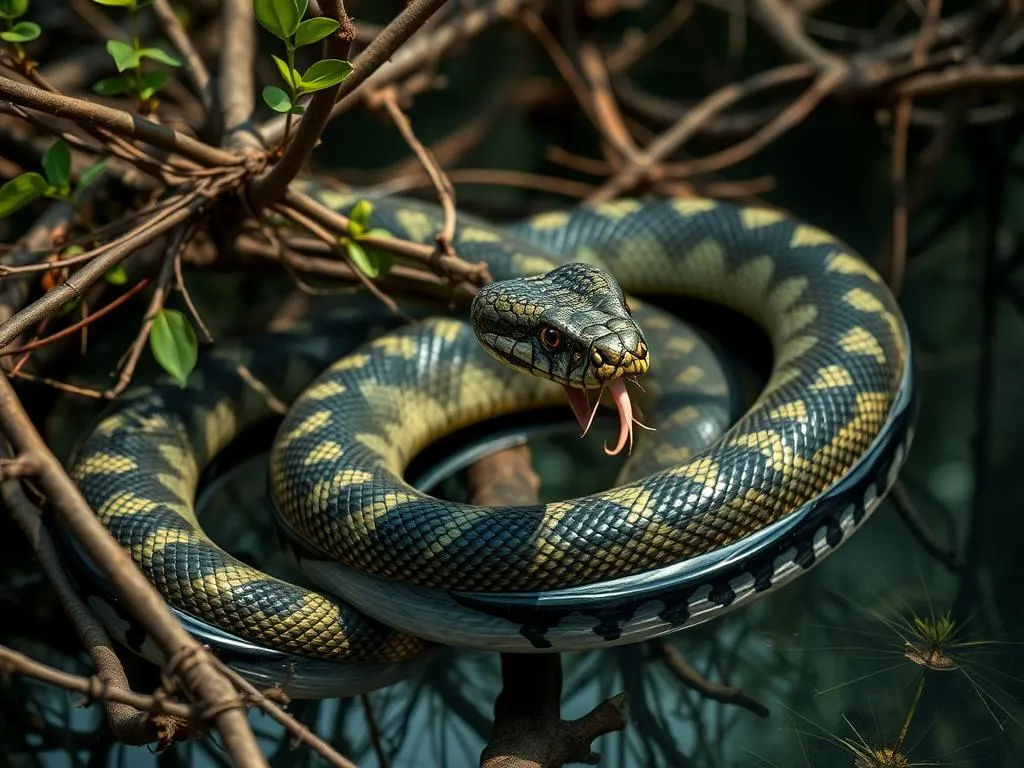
[(235, 83), (529, 731), (116, 121), (213, 693), (130, 715)]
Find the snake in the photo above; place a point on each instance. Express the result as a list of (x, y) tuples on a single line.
[(710, 511)]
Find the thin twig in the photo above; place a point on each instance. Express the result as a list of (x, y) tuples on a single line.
[(194, 66), (84, 322), (447, 266), (93, 688), (163, 287), (443, 187), (687, 675), (301, 733), (116, 121), (75, 285), (893, 268), (675, 136)]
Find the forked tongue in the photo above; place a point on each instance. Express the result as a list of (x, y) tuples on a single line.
[(625, 408), (580, 404)]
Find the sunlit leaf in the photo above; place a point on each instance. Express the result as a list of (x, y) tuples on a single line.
[(279, 17), (276, 99), (20, 191), (173, 343), (288, 74), (57, 165), (158, 54), (12, 9), (324, 74), (22, 32), (113, 86), (370, 261), (312, 30), (124, 56), (118, 3)]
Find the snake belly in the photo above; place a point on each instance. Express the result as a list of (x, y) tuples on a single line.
[(692, 529)]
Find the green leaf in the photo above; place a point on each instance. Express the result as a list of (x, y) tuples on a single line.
[(173, 343), (124, 56), (376, 233), (20, 191), (152, 83), (89, 176), (158, 54), (113, 86), (298, 109), (57, 165), (276, 99), (370, 261), (116, 275), (12, 9), (359, 217), (118, 3), (312, 30), (288, 74), (22, 32), (279, 17), (324, 74)]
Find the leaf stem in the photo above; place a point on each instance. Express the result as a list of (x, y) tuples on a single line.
[(898, 746)]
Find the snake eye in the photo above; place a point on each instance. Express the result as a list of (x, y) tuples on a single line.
[(550, 337)]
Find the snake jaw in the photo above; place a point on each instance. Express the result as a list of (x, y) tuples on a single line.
[(580, 403)]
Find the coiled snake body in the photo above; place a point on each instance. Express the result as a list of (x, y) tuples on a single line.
[(705, 517)]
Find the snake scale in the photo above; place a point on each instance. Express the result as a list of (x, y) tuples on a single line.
[(707, 514)]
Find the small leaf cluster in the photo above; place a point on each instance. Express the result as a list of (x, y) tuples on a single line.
[(371, 261), (283, 19), (128, 58), (54, 182), (17, 31)]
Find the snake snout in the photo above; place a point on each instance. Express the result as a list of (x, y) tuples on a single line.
[(622, 353)]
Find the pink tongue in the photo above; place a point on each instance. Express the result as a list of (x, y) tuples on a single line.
[(625, 408), (585, 415)]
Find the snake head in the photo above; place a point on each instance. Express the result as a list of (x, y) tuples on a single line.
[(571, 325)]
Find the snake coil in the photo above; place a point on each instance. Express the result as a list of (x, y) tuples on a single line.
[(706, 515)]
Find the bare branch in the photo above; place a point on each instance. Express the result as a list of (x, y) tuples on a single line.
[(142, 720), (236, 86), (213, 693), (194, 66), (116, 121)]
